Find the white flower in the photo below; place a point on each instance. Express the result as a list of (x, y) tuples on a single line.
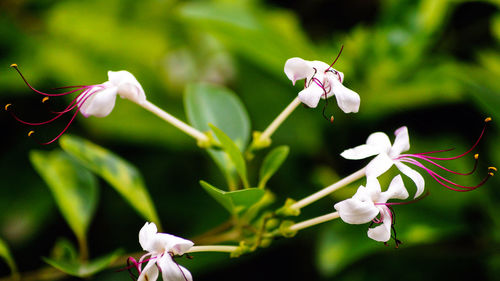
[(379, 144), (322, 81), (96, 100), (370, 201), (162, 247), (99, 100)]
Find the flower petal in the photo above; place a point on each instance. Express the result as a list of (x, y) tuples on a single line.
[(311, 95), (359, 152), (100, 103), (150, 272), (297, 69), (379, 165), (414, 175), (382, 233), (147, 235), (355, 211), (401, 143), (380, 141), (171, 271), (128, 86), (174, 244), (396, 190), (347, 99)]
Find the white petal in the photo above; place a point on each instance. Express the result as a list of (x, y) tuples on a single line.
[(360, 152), (379, 165), (128, 86), (310, 96), (150, 272), (396, 190), (100, 103), (347, 99), (375, 143), (171, 271), (354, 211), (147, 235), (414, 175), (297, 69), (382, 233), (401, 143), (373, 188), (174, 244), (380, 141)]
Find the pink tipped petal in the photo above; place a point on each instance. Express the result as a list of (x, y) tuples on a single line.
[(100, 103), (171, 271), (297, 69), (401, 143), (382, 233), (396, 190), (379, 165), (150, 272), (311, 95), (414, 175), (354, 211), (347, 99)]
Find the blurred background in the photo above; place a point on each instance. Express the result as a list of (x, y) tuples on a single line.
[(432, 65)]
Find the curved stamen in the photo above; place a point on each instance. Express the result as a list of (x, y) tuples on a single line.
[(321, 85), (488, 119), (43, 93), (340, 52), (438, 177), (425, 158)]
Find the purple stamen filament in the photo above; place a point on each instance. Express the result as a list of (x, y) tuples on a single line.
[(425, 156), (85, 93)]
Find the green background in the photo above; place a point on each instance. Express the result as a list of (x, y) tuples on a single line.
[(432, 65)]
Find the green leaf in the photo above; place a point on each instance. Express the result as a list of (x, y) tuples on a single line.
[(75, 268), (120, 174), (234, 201), (271, 163), (6, 255), (209, 104), (233, 152), (74, 187)]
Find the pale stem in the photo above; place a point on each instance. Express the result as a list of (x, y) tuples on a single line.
[(212, 248), (315, 221), (199, 136), (277, 122), (329, 189)]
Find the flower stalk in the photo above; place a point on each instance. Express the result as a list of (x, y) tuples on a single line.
[(329, 189), (202, 139), (212, 248), (314, 221), (263, 139)]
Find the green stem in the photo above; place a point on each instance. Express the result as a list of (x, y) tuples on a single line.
[(314, 221), (200, 137), (329, 189)]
